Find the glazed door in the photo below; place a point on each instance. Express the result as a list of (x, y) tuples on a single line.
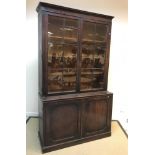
[(62, 121), (97, 116), (93, 54), (63, 38)]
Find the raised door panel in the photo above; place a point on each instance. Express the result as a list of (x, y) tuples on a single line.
[(97, 114), (62, 122)]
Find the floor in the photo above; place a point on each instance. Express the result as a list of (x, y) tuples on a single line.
[(116, 144)]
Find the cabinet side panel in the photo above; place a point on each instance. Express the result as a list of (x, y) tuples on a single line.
[(109, 115), (40, 109), (40, 52), (42, 56), (107, 56)]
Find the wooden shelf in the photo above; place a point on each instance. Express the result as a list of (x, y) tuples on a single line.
[(62, 73), (83, 41), (92, 57), (64, 38), (93, 73), (92, 68), (74, 56), (92, 41)]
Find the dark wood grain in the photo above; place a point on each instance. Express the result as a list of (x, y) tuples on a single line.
[(62, 121), (96, 113)]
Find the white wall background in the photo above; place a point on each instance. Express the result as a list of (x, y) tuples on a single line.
[(119, 76)]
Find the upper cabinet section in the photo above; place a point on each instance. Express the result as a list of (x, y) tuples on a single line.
[(73, 50)]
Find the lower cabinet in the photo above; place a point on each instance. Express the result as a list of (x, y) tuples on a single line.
[(67, 122)]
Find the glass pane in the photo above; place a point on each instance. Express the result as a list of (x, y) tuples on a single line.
[(70, 35), (99, 56), (62, 67), (87, 56), (98, 70), (55, 64), (98, 78), (62, 61), (62, 30), (69, 79), (70, 61), (70, 30), (55, 55), (71, 23), (70, 56), (101, 31), (55, 29), (88, 32), (93, 56), (86, 78), (55, 79)]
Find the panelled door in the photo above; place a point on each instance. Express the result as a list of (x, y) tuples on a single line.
[(62, 121), (97, 116)]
